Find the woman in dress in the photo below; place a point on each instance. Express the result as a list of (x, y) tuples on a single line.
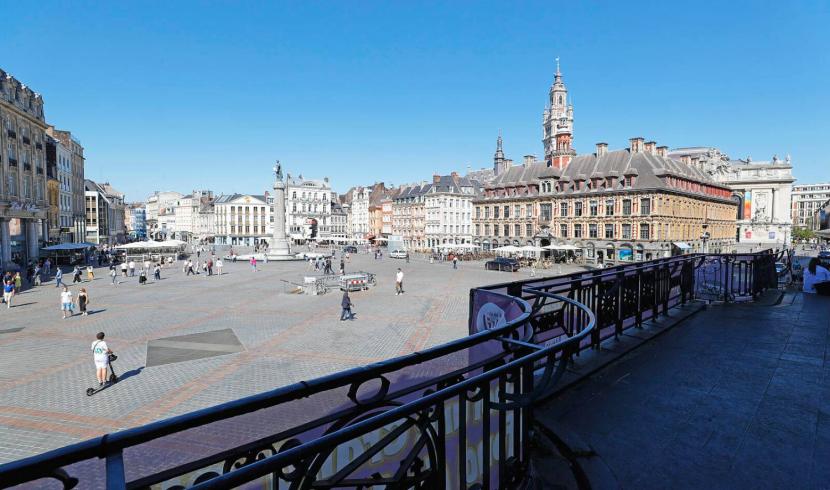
[(90, 274), (83, 301)]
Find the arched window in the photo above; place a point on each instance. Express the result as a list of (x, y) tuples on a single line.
[(560, 100)]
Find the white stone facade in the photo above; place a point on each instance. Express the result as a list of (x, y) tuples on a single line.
[(762, 191), (449, 210), (242, 219), (358, 211), (308, 208)]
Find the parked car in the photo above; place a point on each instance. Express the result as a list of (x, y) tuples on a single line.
[(502, 264), (350, 249), (398, 254), (824, 255)]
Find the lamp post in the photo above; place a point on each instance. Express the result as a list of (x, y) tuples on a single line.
[(705, 236)]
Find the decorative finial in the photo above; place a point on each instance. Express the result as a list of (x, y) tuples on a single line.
[(557, 65)]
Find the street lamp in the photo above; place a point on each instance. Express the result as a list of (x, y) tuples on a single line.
[(705, 236)]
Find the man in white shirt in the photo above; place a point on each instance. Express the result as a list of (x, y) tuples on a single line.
[(132, 268), (100, 354), (399, 282), (66, 302)]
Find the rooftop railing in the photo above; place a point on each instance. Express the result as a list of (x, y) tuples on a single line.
[(457, 415)]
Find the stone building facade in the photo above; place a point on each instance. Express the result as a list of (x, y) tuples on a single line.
[(357, 199), (104, 214), (243, 219), (308, 208), (408, 216), (448, 210), (339, 221), (762, 191), (23, 199), (73, 180), (807, 199), (614, 206)]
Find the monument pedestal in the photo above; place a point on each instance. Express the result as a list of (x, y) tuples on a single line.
[(278, 247)]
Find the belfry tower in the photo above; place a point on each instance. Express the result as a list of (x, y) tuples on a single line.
[(557, 124)]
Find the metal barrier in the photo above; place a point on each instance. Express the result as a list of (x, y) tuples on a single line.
[(458, 415)]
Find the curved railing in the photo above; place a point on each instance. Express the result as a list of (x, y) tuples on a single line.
[(453, 416)]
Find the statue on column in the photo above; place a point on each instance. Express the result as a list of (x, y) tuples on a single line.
[(278, 170)]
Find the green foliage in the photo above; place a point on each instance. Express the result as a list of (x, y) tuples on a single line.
[(803, 234)]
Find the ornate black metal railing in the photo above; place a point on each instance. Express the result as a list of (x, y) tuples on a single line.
[(458, 415)]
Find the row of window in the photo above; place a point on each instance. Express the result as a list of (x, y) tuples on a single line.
[(593, 231)]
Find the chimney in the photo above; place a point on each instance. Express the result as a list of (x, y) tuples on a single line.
[(436, 178), (529, 159), (663, 151), (508, 162), (686, 159), (651, 147), (454, 176), (602, 149), (636, 144)]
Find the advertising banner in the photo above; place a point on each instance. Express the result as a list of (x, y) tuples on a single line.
[(747, 204)]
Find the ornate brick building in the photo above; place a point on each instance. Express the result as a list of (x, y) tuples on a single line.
[(623, 205)]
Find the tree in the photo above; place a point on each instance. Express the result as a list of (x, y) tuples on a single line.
[(800, 233)]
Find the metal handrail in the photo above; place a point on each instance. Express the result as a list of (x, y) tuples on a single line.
[(290, 456), (21, 471)]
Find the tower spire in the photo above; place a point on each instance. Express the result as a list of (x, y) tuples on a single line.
[(498, 158), (557, 66)]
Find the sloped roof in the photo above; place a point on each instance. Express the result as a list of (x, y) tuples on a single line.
[(647, 166)]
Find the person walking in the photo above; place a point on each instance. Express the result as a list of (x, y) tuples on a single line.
[(113, 276), (18, 283), (346, 305), (66, 302), (142, 277), (219, 265), (8, 293), (132, 268), (342, 266), (210, 267), (101, 356), (147, 265), (253, 264), (47, 265), (59, 278), (36, 276), (455, 262), (76, 275), (124, 269), (399, 282), (90, 273), (157, 273), (83, 301)]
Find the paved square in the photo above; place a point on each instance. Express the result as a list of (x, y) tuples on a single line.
[(186, 343)]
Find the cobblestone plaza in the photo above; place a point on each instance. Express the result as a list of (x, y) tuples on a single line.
[(186, 343)]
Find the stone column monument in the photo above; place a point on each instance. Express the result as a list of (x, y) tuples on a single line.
[(279, 248)]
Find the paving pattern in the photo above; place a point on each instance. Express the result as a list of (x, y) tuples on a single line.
[(186, 343), (736, 397)]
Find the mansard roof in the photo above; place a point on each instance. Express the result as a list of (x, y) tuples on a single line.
[(648, 168)]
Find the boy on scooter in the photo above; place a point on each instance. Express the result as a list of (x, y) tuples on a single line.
[(100, 353)]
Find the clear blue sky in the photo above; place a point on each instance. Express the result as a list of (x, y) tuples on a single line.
[(180, 95)]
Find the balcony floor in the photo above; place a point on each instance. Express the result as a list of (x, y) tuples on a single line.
[(737, 396)]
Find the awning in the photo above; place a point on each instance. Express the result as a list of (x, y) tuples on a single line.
[(682, 245), (69, 246)]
